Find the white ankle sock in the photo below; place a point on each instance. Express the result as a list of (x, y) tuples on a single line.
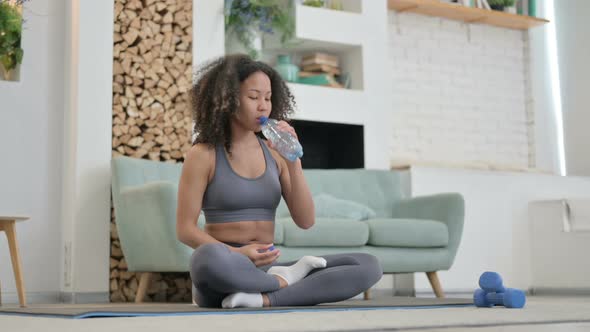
[(248, 300), (294, 273)]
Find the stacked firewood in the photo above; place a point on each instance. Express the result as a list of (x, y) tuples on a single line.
[(152, 74)]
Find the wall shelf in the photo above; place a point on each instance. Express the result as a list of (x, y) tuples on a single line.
[(466, 14), (325, 30), (325, 104)]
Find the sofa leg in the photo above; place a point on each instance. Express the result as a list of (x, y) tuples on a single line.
[(435, 283), (144, 282), (367, 294)]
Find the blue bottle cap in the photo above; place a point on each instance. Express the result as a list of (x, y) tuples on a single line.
[(263, 120)]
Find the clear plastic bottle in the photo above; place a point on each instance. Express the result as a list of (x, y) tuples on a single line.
[(287, 145)]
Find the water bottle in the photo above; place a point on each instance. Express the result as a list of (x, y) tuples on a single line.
[(283, 142)]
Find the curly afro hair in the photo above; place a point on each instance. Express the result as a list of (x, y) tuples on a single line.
[(215, 97)]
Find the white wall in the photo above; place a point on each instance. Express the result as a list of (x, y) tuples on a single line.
[(541, 100), (87, 152), (474, 94), (496, 233), (433, 96), (208, 31), (459, 92), (31, 126), (573, 44), (61, 180)]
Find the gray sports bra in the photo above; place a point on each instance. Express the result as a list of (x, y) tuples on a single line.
[(231, 197)]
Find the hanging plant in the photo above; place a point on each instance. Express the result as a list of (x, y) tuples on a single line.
[(11, 53), (246, 19)]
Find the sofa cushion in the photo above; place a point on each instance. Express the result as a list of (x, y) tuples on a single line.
[(279, 232), (328, 206), (409, 233), (327, 232), (377, 189)]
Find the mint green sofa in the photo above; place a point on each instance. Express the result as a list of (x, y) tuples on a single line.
[(419, 234)]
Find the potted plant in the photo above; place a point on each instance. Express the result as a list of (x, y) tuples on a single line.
[(500, 4), (11, 54), (247, 21)]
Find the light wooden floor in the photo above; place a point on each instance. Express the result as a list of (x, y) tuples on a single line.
[(563, 314)]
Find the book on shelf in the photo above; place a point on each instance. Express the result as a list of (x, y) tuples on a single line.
[(484, 4), (320, 59), (522, 7), (318, 56), (308, 73), (321, 68), (320, 79)]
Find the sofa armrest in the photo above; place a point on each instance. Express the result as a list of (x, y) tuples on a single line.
[(146, 223), (446, 207)]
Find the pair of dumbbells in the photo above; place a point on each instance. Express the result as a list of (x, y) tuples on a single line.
[(492, 292)]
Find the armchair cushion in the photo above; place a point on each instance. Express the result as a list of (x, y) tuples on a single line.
[(146, 223), (407, 233)]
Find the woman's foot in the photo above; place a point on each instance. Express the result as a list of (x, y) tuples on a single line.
[(294, 273), (265, 300), (246, 300), (282, 282)]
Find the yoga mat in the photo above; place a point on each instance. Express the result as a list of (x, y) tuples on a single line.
[(78, 311)]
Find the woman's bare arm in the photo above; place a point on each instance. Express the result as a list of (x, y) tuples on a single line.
[(191, 188), (296, 192)]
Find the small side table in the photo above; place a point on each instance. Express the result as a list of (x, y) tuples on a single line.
[(8, 225)]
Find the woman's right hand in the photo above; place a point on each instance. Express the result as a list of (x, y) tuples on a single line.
[(260, 254)]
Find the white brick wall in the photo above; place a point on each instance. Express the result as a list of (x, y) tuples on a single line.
[(458, 92)]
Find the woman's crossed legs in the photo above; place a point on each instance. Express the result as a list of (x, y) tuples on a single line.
[(217, 272)]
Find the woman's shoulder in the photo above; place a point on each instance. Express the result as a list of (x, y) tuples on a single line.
[(200, 154), (201, 150)]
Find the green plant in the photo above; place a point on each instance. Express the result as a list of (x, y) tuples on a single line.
[(314, 3), (11, 54), (243, 17), (501, 3)]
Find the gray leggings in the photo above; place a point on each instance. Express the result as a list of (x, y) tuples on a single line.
[(217, 271)]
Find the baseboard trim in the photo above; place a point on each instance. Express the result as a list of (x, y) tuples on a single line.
[(32, 297), (84, 298), (452, 293), (557, 291), (57, 297), (550, 291)]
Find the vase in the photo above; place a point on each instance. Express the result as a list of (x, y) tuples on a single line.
[(10, 75), (288, 71), (234, 45)]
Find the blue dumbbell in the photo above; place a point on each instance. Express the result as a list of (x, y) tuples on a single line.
[(492, 292)]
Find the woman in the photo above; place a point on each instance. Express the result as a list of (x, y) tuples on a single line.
[(237, 179)]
